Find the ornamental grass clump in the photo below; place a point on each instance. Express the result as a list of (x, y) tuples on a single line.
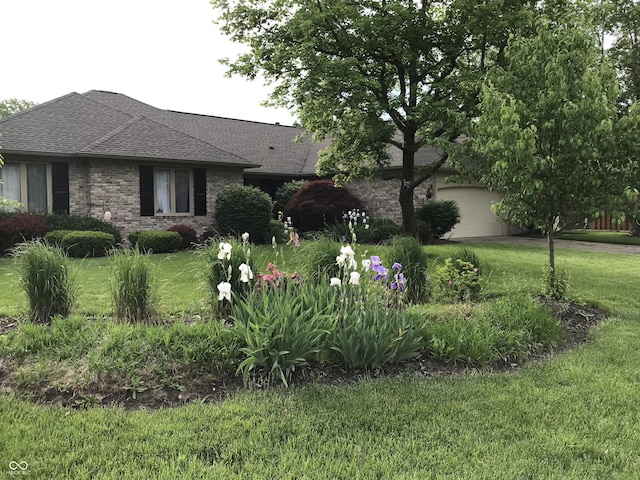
[(46, 278), (133, 287), (408, 252)]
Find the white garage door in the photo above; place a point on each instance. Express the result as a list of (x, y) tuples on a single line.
[(477, 219)]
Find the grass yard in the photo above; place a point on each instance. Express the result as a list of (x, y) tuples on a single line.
[(571, 417), (620, 238)]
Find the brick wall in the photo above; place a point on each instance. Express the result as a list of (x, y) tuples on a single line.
[(380, 197), (98, 186)]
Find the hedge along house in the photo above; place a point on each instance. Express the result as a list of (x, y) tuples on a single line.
[(150, 168)]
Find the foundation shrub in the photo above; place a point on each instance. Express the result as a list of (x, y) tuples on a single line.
[(187, 234), (20, 227), (242, 209), (158, 241), (80, 244)]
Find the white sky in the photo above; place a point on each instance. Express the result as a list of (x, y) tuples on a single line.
[(161, 52)]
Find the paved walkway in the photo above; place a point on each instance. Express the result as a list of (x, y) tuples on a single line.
[(542, 242)]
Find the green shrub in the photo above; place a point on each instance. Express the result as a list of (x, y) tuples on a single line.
[(424, 231), (374, 231), (408, 252), (158, 241), (242, 209), (280, 330), (55, 237), (47, 281), (20, 227), (556, 287), (284, 194), (456, 281), (133, 287), (79, 244), (64, 221), (187, 234), (133, 237), (469, 255), (442, 216), (277, 230)]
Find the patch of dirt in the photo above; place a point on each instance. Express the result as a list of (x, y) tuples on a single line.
[(193, 386)]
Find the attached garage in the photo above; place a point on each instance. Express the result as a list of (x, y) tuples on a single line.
[(477, 219)]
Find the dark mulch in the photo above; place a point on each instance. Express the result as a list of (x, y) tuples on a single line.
[(206, 387)]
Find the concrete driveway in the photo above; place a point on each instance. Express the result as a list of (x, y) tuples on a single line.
[(559, 243)]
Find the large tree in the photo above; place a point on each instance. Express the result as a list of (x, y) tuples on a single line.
[(13, 105), (370, 74), (549, 138)]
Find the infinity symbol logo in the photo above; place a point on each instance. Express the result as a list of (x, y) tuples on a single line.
[(20, 465)]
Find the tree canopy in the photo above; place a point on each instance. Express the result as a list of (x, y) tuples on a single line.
[(376, 73), (13, 105), (549, 137)]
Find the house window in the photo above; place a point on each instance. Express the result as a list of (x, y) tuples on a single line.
[(172, 191), (27, 183)]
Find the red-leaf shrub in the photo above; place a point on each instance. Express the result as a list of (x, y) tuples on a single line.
[(319, 203), (187, 233), (20, 227)]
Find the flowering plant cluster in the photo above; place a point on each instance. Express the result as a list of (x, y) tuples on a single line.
[(274, 278), (372, 277), (230, 268), (457, 280)]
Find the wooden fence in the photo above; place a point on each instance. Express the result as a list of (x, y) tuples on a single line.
[(604, 223)]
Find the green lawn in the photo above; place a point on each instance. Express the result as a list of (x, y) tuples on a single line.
[(572, 417), (621, 238)]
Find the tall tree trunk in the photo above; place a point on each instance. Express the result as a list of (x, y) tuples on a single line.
[(552, 254), (407, 185)]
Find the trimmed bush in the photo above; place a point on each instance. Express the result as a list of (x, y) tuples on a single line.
[(242, 209), (442, 216), (284, 194), (133, 237), (47, 281), (20, 227), (63, 221), (319, 204), (187, 234), (55, 237), (82, 244), (158, 241)]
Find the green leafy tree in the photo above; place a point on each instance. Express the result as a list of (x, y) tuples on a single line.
[(13, 105), (375, 73), (549, 138)]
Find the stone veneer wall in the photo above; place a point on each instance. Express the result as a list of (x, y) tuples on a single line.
[(98, 186), (380, 197)]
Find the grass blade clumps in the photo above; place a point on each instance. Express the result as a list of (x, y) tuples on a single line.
[(133, 287), (46, 279), (408, 252)]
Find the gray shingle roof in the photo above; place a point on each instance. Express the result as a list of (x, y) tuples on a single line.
[(81, 126), (274, 147)]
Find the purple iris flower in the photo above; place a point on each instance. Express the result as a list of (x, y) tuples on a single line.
[(397, 266), (375, 260), (381, 272), (399, 282)]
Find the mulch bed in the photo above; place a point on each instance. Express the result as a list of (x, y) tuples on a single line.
[(205, 387)]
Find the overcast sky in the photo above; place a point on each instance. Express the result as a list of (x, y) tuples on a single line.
[(161, 52)]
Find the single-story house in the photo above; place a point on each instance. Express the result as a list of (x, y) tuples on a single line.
[(100, 152)]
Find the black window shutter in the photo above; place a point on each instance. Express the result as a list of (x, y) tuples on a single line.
[(146, 191), (200, 191), (60, 186)]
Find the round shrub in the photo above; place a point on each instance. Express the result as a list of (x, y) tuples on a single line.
[(284, 194), (133, 237), (380, 230), (318, 204), (20, 227), (159, 241), (442, 216), (55, 237), (64, 221), (242, 209), (187, 234), (80, 244)]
